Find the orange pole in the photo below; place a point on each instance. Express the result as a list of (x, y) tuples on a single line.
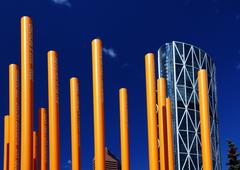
[(53, 111), (204, 120), (170, 135), (99, 136), (6, 143), (42, 133), (27, 93), (75, 128), (34, 150), (151, 111), (123, 100), (14, 117), (161, 87)]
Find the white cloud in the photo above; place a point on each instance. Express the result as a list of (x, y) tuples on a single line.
[(68, 165), (110, 52), (237, 16), (69, 162), (125, 65), (62, 2), (238, 66)]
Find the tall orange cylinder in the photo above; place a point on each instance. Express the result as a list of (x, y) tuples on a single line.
[(34, 150), (53, 111), (204, 120), (170, 135), (6, 143), (75, 128), (14, 117), (123, 102), (42, 136), (98, 103), (162, 121), (151, 111), (27, 93)]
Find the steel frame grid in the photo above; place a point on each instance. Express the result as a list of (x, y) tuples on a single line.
[(170, 58)]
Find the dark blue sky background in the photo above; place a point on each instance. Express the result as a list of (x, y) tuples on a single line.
[(131, 28)]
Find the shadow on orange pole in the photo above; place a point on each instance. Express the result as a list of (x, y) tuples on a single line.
[(204, 120), (123, 101), (75, 127), (42, 138), (98, 102), (162, 122), (6, 143), (27, 93), (34, 150), (151, 111), (53, 111), (14, 117), (170, 135)]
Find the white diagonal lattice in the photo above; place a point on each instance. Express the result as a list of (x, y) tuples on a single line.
[(181, 67)]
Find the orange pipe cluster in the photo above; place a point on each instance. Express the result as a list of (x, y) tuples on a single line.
[(34, 154)]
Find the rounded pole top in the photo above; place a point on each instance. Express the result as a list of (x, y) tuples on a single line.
[(122, 89), (52, 53), (73, 79), (13, 66), (96, 41), (26, 19), (149, 55), (202, 72)]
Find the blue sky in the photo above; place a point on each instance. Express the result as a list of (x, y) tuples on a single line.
[(129, 30)]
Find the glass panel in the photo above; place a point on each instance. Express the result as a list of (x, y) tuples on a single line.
[(181, 146), (181, 90), (182, 159), (180, 47), (180, 114), (178, 69), (178, 58), (189, 94)]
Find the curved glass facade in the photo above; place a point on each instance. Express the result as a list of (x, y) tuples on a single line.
[(179, 63)]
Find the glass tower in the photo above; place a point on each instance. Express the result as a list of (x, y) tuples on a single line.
[(179, 63)]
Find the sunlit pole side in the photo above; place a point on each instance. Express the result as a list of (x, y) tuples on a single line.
[(26, 93), (75, 126), (204, 120), (53, 111), (123, 103), (98, 102), (14, 118), (151, 111)]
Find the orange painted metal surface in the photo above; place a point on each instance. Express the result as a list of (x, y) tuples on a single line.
[(42, 139), (162, 119), (170, 135), (14, 118), (34, 150), (204, 120), (6, 143), (54, 151), (75, 126), (27, 93), (123, 102), (151, 111), (98, 102)]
